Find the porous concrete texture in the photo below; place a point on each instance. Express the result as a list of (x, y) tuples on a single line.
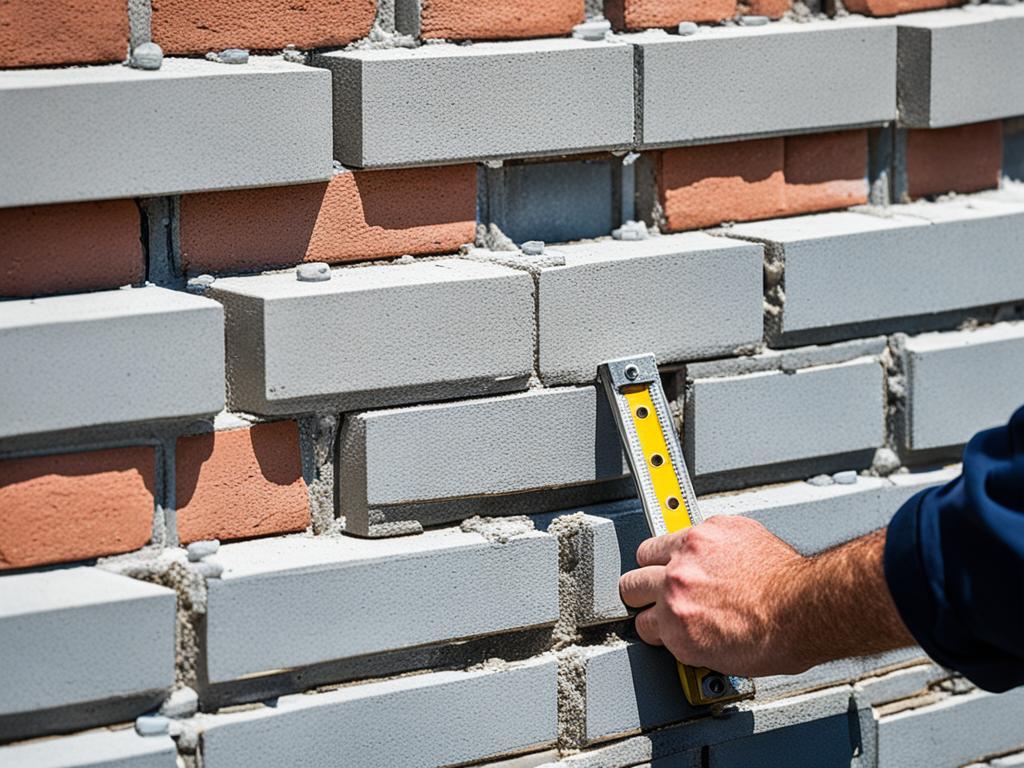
[(535, 97), (336, 344), (80, 636), (837, 269), (392, 459), (113, 492), (954, 66), (95, 749), (109, 357), (678, 296), (193, 125), (953, 731), (961, 382), (816, 412), (299, 595), (839, 73), (443, 718)]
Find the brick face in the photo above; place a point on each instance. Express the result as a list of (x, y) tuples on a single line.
[(197, 26), (736, 181), (240, 483), (70, 248), (964, 158), (893, 7), (75, 506), (498, 19), (773, 9), (825, 171), (648, 14), (35, 34), (359, 215)]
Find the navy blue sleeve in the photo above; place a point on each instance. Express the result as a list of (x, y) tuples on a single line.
[(954, 562)]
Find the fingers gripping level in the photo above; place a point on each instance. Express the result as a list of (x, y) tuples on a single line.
[(634, 392)]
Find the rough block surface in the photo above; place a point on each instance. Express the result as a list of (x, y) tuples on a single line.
[(75, 506), (294, 345), (188, 26), (95, 749), (444, 718), (240, 483), (34, 34), (70, 248), (496, 19), (531, 97), (839, 73), (678, 296), (362, 215), (961, 382), (826, 170), (107, 358), (82, 635), (301, 595), (193, 125), (964, 158), (654, 14)]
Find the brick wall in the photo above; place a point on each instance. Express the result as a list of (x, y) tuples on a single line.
[(301, 457)]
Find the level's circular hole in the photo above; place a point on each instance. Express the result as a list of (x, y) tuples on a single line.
[(642, 412), (672, 502), (716, 685), (657, 459)]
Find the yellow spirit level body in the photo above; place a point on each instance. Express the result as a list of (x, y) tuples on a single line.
[(634, 392)]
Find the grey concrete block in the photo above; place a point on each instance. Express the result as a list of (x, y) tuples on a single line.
[(553, 202), (86, 133), (828, 742), (841, 269), (679, 297), (82, 635), (733, 82), (441, 718), (1013, 149), (960, 65), (374, 336), (313, 600), (96, 749), (738, 422), (900, 684), (393, 460), (961, 382), (110, 357), (836, 672), (631, 686), (814, 518), (443, 103), (952, 732)]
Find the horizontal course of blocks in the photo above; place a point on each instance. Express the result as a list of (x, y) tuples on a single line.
[(96, 749)]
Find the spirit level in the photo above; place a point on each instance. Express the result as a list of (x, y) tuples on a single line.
[(634, 392)]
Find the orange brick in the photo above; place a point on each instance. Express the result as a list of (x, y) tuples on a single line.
[(35, 34), (70, 248), (651, 14), (498, 19), (893, 7), (75, 506), (736, 181), (964, 158), (240, 483), (359, 215), (198, 26), (773, 9), (826, 171)]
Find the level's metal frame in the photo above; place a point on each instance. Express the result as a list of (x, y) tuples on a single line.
[(701, 686)]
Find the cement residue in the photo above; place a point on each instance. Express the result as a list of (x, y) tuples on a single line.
[(575, 576), (170, 568), (491, 237), (572, 700), (382, 39), (897, 415), (774, 288), (498, 530), (317, 435), (885, 462)]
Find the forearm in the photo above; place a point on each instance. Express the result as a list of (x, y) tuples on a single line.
[(840, 604)]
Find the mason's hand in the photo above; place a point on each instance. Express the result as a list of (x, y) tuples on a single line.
[(729, 595)]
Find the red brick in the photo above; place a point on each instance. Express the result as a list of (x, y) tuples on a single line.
[(240, 483), (35, 33), (735, 181), (498, 19), (825, 171), (70, 248), (198, 26), (893, 7), (648, 14), (75, 506), (773, 9), (359, 215), (965, 158)]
